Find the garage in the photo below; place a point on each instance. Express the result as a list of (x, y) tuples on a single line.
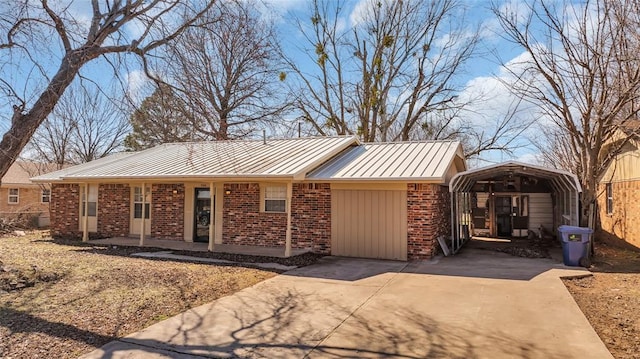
[(369, 223)]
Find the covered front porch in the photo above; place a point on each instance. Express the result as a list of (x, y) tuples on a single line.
[(278, 252)]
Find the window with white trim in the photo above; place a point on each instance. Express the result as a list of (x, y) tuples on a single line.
[(609, 198), (275, 198), (137, 203), (93, 201), (45, 196), (14, 195)]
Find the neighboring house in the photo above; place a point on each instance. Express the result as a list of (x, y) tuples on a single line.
[(619, 192), (20, 196), (334, 195)]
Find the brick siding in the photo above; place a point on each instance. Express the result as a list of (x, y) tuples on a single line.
[(244, 224), (113, 210), (428, 207), (624, 222), (311, 216), (64, 210), (29, 200), (167, 214)]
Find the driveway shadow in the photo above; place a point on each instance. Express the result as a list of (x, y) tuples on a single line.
[(283, 326), (466, 263)]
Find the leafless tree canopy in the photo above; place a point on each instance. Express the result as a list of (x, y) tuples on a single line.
[(581, 70), (225, 69), (44, 46), (383, 77), (86, 124)]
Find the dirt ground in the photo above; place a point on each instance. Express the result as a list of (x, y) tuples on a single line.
[(61, 300), (610, 299)]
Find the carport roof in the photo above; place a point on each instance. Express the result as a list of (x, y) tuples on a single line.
[(464, 181)]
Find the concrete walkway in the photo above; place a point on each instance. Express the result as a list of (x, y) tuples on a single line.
[(478, 304)]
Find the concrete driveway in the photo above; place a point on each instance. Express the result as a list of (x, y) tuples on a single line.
[(478, 304)]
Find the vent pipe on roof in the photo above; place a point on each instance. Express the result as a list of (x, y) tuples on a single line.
[(264, 136)]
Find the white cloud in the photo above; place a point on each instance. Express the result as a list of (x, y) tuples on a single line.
[(137, 81), (360, 12), (277, 10)]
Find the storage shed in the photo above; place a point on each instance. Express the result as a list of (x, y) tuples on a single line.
[(510, 199)]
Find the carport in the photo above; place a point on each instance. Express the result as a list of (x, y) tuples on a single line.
[(510, 199)]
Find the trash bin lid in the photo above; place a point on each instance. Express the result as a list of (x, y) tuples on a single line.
[(574, 229)]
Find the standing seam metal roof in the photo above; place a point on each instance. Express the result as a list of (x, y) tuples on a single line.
[(428, 160), (276, 158)]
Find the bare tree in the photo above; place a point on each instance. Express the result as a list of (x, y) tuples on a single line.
[(86, 124), (33, 31), (381, 77), (225, 69), (582, 72)]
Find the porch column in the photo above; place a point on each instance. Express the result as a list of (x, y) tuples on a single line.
[(212, 215), (287, 245), (85, 220), (144, 214)]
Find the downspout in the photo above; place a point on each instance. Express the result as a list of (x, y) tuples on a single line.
[(287, 246), (211, 216), (144, 214), (85, 220)]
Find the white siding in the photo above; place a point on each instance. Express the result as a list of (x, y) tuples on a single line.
[(540, 211)]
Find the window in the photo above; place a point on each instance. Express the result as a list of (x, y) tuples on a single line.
[(46, 195), (137, 203), (93, 201), (14, 195), (609, 198), (275, 199)]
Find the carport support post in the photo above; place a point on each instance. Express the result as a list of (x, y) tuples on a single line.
[(453, 223), (144, 214), (287, 243), (211, 215), (85, 219)]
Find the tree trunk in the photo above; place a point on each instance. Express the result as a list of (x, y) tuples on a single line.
[(23, 125)]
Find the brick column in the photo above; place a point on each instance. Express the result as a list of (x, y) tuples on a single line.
[(428, 217), (64, 210), (167, 213), (114, 210), (311, 212)]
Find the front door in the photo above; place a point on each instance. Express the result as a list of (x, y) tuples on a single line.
[(202, 217), (503, 216)]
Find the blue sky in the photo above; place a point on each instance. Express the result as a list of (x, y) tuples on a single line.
[(479, 75)]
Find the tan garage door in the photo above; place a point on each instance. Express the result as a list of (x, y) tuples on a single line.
[(369, 223)]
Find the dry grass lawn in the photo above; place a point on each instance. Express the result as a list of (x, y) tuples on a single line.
[(61, 300), (610, 299)]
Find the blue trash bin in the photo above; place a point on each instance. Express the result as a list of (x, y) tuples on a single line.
[(575, 243)]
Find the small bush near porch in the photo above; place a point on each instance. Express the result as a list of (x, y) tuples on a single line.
[(61, 300)]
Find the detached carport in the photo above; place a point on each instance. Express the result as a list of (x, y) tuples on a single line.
[(511, 198)]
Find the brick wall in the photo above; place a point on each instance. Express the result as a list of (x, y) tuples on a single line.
[(29, 200), (311, 216), (244, 224), (113, 210), (64, 210), (167, 215), (624, 222), (428, 208)]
